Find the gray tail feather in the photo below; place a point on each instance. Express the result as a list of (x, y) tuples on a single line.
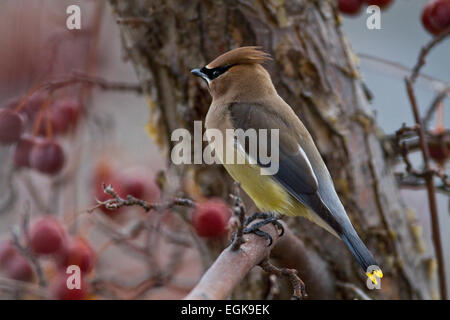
[(358, 249)]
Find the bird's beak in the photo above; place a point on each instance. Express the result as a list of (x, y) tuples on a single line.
[(198, 73)]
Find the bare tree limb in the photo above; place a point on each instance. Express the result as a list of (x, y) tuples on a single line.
[(232, 266)]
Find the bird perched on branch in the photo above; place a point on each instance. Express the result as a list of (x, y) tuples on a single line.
[(244, 97)]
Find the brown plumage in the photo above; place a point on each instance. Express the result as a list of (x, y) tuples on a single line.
[(244, 97), (242, 55)]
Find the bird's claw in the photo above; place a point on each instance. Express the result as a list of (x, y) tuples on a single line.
[(255, 228)]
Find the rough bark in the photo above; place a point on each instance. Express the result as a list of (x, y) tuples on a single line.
[(314, 70)]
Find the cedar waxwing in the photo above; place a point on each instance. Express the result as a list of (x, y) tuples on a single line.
[(244, 97)]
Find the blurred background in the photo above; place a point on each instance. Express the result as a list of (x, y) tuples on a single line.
[(399, 41), (38, 48)]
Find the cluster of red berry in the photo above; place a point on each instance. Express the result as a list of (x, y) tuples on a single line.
[(48, 239), (38, 150), (353, 7), (436, 16), (209, 218)]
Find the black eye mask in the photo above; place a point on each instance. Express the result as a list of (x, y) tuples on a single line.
[(215, 72)]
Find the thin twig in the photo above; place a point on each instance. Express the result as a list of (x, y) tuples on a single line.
[(423, 54), (400, 71), (101, 83), (118, 202), (291, 274)]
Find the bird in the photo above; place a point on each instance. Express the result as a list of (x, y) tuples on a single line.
[(244, 97)]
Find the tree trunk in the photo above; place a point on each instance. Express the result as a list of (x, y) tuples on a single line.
[(314, 70)]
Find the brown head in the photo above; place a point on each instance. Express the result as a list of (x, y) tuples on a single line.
[(238, 75)]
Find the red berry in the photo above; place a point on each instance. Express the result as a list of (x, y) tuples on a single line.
[(7, 252), (381, 3), (210, 218), (436, 16), (46, 236), (11, 126), (426, 18), (351, 7), (77, 252), (19, 268), (22, 151), (60, 290), (133, 186), (64, 115), (440, 15), (439, 151), (139, 186), (47, 156)]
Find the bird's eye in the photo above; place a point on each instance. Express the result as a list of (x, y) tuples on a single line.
[(216, 73)]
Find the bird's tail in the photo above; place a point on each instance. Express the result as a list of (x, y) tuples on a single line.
[(362, 254)]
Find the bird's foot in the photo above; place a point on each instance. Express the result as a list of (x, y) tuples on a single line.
[(267, 218)]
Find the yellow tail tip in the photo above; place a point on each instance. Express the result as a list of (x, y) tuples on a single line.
[(374, 275)]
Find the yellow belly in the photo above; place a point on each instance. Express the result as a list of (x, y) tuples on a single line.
[(267, 194)]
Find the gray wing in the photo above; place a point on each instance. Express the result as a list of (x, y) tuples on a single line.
[(295, 172)]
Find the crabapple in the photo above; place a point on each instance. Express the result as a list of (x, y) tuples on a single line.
[(436, 16), (381, 3), (47, 156), (210, 218), (60, 290), (18, 268), (139, 186), (351, 7), (7, 251), (78, 252), (46, 236)]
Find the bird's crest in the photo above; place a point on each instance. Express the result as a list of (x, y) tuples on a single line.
[(242, 55)]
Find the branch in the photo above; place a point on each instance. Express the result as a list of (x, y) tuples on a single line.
[(412, 182), (79, 77), (424, 52), (231, 267), (291, 274), (426, 159), (400, 71), (118, 202)]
